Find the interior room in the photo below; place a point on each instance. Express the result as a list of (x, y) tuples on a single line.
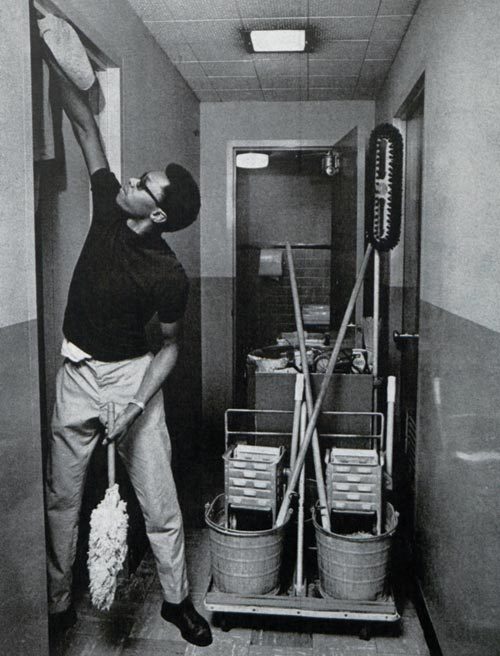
[(339, 335)]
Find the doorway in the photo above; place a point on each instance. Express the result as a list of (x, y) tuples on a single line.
[(306, 196)]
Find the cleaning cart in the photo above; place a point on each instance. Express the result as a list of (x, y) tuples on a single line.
[(338, 573)]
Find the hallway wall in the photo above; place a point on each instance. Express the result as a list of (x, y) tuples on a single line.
[(23, 620), (323, 122), (458, 455)]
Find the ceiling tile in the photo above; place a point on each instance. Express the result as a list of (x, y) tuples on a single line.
[(216, 31), (343, 7), (283, 82), (207, 95), (339, 50), (333, 67), (151, 9), (285, 64), (272, 8), (202, 9), (199, 83), (284, 95), (235, 82), (166, 32), (390, 27), (190, 69), (241, 94), (333, 29), (329, 94), (382, 49), (177, 52), (229, 68), (281, 23), (207, 51), (332, 81), (400, 7)]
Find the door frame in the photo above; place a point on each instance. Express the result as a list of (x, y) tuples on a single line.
[(404, 114)]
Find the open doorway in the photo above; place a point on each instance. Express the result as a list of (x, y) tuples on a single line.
[(306, 196)]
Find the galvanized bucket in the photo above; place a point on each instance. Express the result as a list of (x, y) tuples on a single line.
[(354, 566), (243, 562)]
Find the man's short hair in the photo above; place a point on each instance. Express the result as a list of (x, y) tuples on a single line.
[(182, 198)]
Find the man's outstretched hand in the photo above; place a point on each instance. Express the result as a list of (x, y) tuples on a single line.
[(123, 422)]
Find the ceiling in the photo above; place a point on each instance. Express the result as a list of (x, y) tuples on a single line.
[(355, 42)]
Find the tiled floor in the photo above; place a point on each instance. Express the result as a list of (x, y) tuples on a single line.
[(134, 627)]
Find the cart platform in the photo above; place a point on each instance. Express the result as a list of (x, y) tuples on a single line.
[(311, 606)]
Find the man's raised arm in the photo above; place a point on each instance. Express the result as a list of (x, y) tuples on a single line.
[(76, 105)]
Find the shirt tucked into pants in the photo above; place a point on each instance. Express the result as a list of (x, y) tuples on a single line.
[(82, 391)]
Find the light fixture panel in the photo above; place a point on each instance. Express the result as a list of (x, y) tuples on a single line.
[(252, 160), (277, 40)]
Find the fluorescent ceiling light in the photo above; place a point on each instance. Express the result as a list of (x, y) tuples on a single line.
[(278, 40), (252, 160)]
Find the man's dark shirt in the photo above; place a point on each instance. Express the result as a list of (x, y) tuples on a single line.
[(120, 281)]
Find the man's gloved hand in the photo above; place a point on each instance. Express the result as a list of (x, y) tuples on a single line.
[(123, 422)]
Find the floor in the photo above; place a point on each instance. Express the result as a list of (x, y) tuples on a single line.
[(134, 627)]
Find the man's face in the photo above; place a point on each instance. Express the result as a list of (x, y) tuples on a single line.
[(140, 196)]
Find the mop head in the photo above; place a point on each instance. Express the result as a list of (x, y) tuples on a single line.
[(107, 547)]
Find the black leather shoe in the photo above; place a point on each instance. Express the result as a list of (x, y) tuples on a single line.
[(193, 627), (61, 622)]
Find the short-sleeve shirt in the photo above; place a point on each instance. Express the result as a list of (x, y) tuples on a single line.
[(120, 281)]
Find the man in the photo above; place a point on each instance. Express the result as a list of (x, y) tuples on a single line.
[(125, 274)]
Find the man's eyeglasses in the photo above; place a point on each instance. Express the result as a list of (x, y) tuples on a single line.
[(142, 185)]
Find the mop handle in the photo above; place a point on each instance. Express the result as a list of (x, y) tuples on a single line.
[(299, 393), (292, 482), (111, 445), (320, 483)]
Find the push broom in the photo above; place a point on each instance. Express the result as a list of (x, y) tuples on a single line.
[(384, 190), (108, 535)]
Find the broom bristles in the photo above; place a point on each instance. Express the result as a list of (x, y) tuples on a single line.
[(107, 547)]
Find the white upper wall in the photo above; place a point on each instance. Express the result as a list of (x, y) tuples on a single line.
[(17, 245), (456, 43), (325, 122)]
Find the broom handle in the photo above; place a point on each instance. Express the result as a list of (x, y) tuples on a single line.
[(320, 483), (111, 445), (292, 481)]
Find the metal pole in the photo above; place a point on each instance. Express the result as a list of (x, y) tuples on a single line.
[(292, 482)]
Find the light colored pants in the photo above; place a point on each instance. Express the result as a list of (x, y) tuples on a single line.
[(82, 392)]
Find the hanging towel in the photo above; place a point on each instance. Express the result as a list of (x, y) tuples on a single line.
[(43, 128), (69, 52)]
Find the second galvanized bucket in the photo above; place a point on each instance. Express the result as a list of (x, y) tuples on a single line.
[(355, 566), (243, 562)]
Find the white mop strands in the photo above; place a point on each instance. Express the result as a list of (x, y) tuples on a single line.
[(107, 547), (108, 536)]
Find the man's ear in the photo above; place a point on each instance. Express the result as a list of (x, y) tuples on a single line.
[(158, 216)]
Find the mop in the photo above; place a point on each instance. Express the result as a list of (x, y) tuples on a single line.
[(108, 535), (384, 186)]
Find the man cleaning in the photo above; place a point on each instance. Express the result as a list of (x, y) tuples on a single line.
[(126, 273)]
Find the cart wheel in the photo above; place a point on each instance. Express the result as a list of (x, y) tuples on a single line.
[(224, 624), (365, 632), (396, 628)]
